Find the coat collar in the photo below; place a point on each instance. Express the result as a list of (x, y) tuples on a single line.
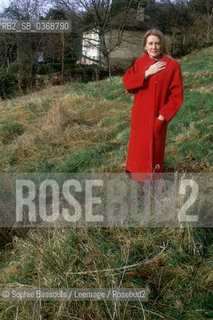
[(147, 58)]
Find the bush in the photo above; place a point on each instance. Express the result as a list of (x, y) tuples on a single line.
[(70, 61), (53, 67), (181, 48), (8, 84), (86, 73), (24, 71)]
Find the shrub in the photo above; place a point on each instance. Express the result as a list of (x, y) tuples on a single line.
[(8, 84), (86, 73)]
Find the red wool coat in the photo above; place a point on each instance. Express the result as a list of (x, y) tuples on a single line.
[(162, 93)]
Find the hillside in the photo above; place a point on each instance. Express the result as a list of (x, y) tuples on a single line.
[(85, 128)]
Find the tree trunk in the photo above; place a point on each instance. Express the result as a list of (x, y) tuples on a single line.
[(108, 65), (109, 69), (208, 32), (62, 56)]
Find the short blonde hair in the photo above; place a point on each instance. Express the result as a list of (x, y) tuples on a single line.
[(160, 35)]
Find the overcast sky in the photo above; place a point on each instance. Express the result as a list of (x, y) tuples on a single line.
[(3, 4)]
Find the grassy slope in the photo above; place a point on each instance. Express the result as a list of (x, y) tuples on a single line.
[(85, 127)]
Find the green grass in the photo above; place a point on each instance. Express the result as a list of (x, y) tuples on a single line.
[(108, 135), (9, 130), (85, 128), (177, 281), (198, 61)]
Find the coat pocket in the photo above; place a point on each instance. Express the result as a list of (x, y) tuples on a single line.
[(160, 129)]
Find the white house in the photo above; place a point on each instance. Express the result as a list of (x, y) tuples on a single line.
[(91, 52), (128, 50)]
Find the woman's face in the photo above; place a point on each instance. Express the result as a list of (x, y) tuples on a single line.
[(153, 46)]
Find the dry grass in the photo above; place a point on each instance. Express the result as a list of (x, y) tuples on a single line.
[(68, 123), (91, 122), (105, 258)]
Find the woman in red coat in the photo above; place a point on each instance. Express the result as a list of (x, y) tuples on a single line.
[(156, 82)]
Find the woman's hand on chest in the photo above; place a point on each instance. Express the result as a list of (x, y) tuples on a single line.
[(155, 68)]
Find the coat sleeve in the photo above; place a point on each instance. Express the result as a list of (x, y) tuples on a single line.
[(175, 95), (133, 80)]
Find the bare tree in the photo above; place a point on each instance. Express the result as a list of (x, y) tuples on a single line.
[(105, 17), (25, 9), (27, 44), (203, 14)]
